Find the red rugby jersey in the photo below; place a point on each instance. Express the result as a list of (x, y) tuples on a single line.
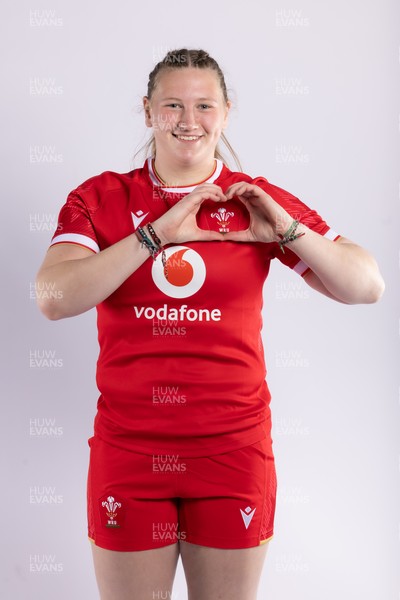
[(181, 366)]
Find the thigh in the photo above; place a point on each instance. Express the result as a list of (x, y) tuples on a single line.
[(142, 575), (130, 507), (133, 523), (226, 522), (223, 574), (231, 499)]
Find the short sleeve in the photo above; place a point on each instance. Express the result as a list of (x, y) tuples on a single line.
[(301, 212), (75, 225)]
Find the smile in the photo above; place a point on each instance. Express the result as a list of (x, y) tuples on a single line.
[(187, 138)]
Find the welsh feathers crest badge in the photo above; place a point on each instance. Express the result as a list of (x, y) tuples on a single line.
[(223, 217), (231, 215), (111, 511)]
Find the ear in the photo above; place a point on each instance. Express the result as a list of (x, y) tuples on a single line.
[(147, 112), (228, 108)]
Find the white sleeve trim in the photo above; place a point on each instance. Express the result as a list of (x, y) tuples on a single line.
[(301, 267), (331, 234), (76, 238)]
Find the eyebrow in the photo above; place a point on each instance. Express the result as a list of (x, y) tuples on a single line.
[(198, 99)]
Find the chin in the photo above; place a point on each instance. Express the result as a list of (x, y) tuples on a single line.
[(189, 156)]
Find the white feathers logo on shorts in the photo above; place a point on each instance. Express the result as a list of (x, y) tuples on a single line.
[(111, 507), (186, 272)]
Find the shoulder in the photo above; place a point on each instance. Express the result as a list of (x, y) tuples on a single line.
[(286, 199), (228, 177), (109, 184), (105, 182), (280, 195)]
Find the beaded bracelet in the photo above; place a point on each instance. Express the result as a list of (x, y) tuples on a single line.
[(290, 235), (146, 241), (161, 249), (153, 245)]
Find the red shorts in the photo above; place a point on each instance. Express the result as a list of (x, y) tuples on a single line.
[(142, 502)]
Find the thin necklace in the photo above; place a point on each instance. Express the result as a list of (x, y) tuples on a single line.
[(166, 184)]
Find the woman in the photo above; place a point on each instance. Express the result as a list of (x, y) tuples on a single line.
[(181, 457)]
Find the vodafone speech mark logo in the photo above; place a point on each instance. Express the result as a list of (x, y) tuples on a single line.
[(186, 272)]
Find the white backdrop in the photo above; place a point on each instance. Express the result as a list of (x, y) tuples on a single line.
[(316, 93)]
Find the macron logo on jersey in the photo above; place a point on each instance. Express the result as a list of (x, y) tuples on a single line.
[(138, 217), (247, 516)]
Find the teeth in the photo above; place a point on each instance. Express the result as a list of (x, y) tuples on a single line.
[(187, 137)]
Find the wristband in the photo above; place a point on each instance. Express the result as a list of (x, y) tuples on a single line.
[(146, 241), (290, 235), (160, 248)]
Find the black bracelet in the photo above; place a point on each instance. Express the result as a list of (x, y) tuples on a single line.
[(154, 235), (161, 249), (145, 241)]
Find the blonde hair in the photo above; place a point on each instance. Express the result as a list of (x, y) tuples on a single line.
[(181, 59)]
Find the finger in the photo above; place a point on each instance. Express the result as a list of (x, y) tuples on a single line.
[(239, 188), (198, 197), (239, 236), (248, 191), (203, 235), (208, 186)]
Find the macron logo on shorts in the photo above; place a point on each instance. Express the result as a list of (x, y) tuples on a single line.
[(247, 516)]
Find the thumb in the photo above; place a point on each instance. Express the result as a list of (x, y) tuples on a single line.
[(243, 235), (204, 235)]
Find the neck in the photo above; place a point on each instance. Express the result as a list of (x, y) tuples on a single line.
[(177, 175)]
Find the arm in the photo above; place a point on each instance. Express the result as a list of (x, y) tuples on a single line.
[(341, 270), (84, 279)]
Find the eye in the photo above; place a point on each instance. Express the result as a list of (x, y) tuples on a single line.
[(204, 106), (173, 105)]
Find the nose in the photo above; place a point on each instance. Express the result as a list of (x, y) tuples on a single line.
[(188, 120)]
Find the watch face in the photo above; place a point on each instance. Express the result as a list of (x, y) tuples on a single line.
[(224, 217)]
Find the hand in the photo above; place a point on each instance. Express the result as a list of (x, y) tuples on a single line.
[(179, 225), (268, 220)]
